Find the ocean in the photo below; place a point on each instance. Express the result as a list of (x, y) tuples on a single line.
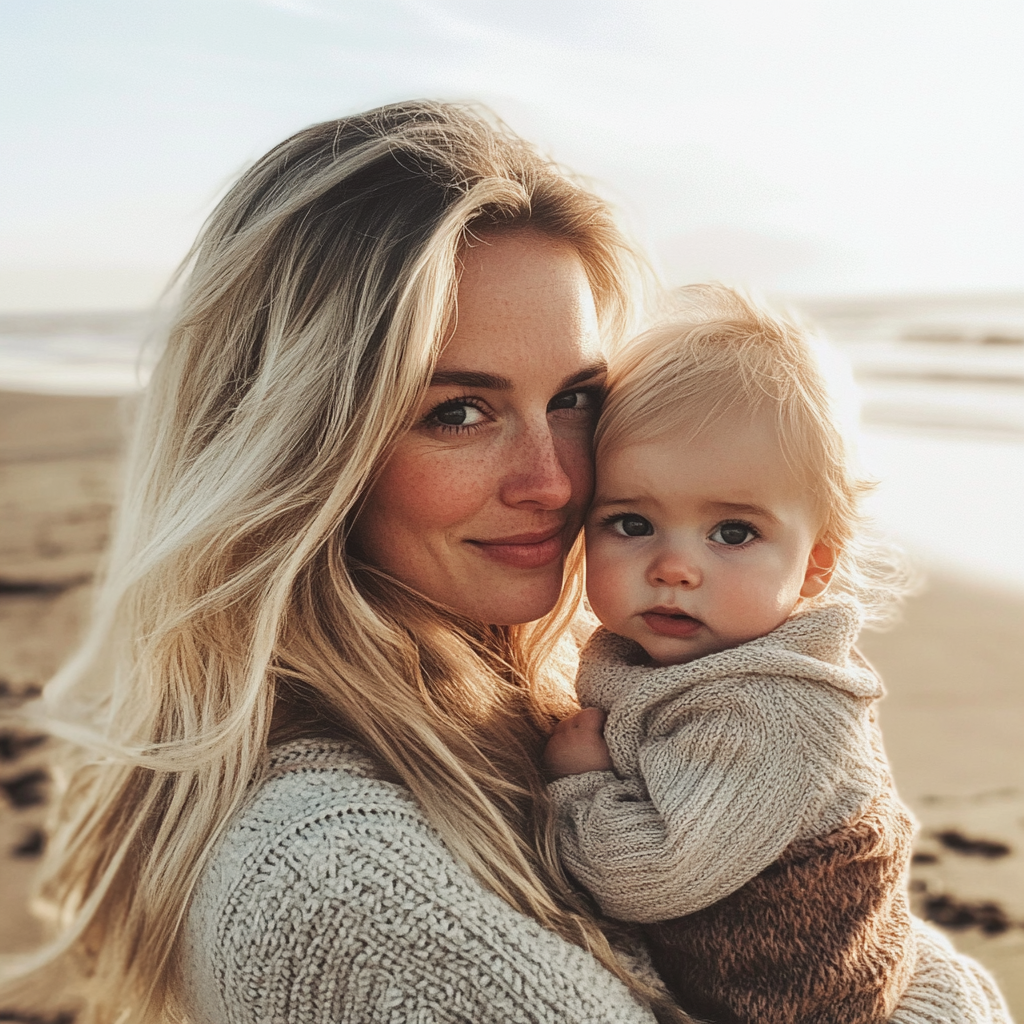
[(938, 385), (940, 389)]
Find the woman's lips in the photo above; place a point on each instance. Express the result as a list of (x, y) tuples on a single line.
[(523, 550), (666, 623)]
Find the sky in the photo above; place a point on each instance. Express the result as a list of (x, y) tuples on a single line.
[(797, 147)]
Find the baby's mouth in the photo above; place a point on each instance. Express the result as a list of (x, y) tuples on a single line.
[(668, 622)]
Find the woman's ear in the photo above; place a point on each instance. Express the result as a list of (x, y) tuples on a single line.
[(821, 563)]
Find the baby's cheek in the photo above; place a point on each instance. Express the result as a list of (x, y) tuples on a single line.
[(756, 608), (609, 585)]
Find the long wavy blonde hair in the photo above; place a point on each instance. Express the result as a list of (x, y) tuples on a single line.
[(313, 308)]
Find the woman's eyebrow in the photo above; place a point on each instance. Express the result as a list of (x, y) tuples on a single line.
[(594, 370), (471, 379), (494, 382)]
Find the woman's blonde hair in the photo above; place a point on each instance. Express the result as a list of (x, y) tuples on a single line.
[(315, 303), (720, 354)]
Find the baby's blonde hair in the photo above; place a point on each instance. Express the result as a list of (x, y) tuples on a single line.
[(719, 353)]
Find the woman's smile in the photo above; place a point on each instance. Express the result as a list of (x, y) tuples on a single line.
[(525, 550)]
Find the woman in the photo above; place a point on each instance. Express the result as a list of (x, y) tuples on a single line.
[(334, 630)]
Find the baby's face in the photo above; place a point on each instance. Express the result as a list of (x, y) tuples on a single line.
[(694, 546)]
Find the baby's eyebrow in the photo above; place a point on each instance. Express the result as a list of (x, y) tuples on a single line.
[(742, 508), (602, 500)]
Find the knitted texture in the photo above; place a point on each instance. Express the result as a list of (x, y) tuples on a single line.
[(752, 803), (823, 934), (720, 764), (331, 899), (947, 987)]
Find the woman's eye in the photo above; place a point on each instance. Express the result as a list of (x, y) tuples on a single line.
[(733, 534), (457, 414), (587, 400), (632, 526)]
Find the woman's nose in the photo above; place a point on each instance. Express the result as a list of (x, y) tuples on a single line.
[(674, 567), (535, 474)]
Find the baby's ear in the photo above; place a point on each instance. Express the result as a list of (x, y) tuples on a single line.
[(821, 563)]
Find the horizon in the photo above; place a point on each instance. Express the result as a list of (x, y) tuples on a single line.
[(831, 303)]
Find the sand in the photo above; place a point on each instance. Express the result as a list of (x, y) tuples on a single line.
[(58, 477), (953, 722), (953, 719)]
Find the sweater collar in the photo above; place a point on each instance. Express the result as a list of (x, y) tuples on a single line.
[(816, 645)]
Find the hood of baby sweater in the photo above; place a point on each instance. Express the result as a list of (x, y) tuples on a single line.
[(816, 646)]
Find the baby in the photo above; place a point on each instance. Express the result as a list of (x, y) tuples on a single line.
[(725, 784)]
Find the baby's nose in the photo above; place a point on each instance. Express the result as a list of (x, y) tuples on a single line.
[(674, 569)]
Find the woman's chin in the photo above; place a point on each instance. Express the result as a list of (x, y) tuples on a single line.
[(512, 602)]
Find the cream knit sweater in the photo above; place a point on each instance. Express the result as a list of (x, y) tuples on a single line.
[(723, 763), (331, 899)]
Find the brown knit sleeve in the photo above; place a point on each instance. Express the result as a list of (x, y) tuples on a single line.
[(822, 936)]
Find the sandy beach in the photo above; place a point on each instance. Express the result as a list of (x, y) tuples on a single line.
[(953, 720)]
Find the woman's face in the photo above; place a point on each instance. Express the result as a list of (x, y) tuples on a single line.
[(482, 499)]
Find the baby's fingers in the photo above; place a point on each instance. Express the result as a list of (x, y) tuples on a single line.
[(588, 720), (577, 745)]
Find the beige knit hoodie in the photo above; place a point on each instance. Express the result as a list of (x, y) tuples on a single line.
[(751, 823)]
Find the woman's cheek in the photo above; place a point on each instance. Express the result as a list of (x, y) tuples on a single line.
[(419, 500), (576, 457), (443, 490)]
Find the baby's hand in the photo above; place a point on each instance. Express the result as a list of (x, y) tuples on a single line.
[(577, 745)]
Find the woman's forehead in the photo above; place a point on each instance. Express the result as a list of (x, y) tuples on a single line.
[(524, 302)]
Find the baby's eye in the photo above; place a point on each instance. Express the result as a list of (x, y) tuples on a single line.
[(457, 413), (733, 533), (631, 525)]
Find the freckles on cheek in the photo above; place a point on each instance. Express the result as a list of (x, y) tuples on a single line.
[(434, 493), (577, 461)]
